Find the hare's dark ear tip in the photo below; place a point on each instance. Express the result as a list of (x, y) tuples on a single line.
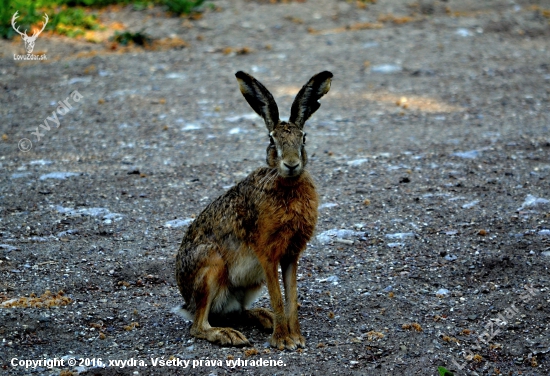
[(325, 75), (240, 75)]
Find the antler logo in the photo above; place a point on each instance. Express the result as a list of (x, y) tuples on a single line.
[(29, 41)]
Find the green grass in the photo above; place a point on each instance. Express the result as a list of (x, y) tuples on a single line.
[(27, 16), (182, 6), (74, 22), (69, 17), (444, 372)]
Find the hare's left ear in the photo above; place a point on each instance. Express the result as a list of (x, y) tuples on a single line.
[(259, 98), (306, 101)]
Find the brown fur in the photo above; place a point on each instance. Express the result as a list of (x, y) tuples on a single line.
[(238, 242)]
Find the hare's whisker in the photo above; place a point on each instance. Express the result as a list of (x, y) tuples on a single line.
[(266, 180)]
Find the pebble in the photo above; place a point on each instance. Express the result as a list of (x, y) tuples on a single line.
[(386, 68), (240, 118), (395, 245), (370, 44), (357, 162), (179, 223), (450, 257), (471, 154), (532, 201), (400, 235), (44, 318), (190, 127), (176, 75), (237, 130), (84, 79), (329, 235), (8, 248), (327, 205), (344, 241), (332, 278), (17, 175), (464, 32), (40, 162), (470, 204), (59, 175)]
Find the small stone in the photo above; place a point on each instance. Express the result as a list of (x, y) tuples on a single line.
[(44, 318)]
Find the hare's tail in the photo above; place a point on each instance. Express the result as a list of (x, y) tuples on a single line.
[(181, 311)]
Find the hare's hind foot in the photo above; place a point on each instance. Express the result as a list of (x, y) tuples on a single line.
[(221, 336), (263, 317)]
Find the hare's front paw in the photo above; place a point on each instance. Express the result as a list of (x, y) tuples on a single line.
[(287, 341), (226, 337)]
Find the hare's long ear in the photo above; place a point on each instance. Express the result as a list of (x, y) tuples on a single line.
[(259, 98), (306, 101)]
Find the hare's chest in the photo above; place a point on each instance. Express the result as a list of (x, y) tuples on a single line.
[(294, 215)]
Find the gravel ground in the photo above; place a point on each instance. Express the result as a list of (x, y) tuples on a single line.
[(431, 154)]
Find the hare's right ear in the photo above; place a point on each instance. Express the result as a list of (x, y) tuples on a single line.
[(259, 98), (307, 99)]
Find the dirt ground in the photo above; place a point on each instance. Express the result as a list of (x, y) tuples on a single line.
[(431, 154)]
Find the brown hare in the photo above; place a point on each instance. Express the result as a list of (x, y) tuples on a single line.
[(238, 242)]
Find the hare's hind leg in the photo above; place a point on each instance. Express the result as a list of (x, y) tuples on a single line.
[(207, 289), (262, 316)]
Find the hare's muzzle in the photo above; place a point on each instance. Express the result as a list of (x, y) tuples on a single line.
[(289, 168)]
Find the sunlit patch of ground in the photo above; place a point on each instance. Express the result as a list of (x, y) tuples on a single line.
[(412, 102), (400, 101), (352, 27)]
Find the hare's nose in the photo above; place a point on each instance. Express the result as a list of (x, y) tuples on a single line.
[(291, 167)]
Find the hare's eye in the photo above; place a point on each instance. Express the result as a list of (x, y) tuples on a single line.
[(271, 141), (304, 140)]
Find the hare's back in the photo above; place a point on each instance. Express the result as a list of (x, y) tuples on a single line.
[(232, 218)]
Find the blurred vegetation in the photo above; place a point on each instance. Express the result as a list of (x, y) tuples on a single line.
[(182, 6), (74, 17), (125, 38)]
